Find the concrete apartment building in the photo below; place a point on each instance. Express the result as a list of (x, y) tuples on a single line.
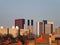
[(30, 26), (39, 28), (57, 32), (49, 28), (13, 31), (24, 31), (3, 31), (44, 22), (44, 27), (20, 23)]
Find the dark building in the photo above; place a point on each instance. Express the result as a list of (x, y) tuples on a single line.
[(20, 23), (45, 22)]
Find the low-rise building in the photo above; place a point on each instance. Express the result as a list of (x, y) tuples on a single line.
[(13, 31), (24, 31), (57, 32), (3, 30)]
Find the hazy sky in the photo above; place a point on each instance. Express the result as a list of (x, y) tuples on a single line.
[(29, 9)]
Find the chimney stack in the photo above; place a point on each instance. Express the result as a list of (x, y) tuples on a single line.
[(31, 22), (28, 22)]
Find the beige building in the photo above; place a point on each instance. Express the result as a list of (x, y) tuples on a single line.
[(3, 30), (13, 31), (31, 29), (24, 31), (57, 32), (49, 28), (30, 26)]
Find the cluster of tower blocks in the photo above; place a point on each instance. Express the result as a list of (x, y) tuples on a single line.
[(23, 40)]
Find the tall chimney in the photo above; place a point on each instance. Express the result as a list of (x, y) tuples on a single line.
[(28, 22), (31, 22)]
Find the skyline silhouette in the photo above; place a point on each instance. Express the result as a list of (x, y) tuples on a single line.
[(32, 9)]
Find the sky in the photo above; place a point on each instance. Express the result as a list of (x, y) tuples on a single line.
[(37, 10)]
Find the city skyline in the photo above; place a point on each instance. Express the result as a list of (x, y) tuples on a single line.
[(33, 9), (29, 22)]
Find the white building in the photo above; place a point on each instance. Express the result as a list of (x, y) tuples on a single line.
[(39, 28)]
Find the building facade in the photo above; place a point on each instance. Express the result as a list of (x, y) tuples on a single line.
[(44, 22), (3, 31), (20, 23), (13, 31), (57, 32), (39, 28), (30, 26), (49, 28)]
